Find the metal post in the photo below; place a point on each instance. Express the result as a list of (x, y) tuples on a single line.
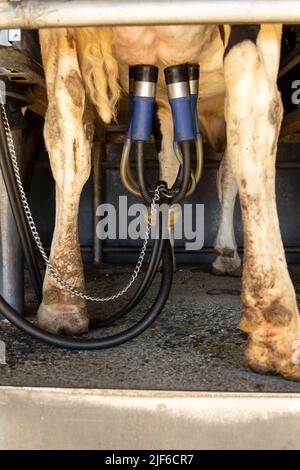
[(11, 256), (97, 196), (36, 14)]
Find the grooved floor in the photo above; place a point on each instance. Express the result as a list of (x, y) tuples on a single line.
[(194, 345)]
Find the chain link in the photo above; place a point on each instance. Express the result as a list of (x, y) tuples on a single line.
[(51, 269)]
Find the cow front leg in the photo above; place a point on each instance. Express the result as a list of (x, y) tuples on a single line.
[(253, 113), (227, 260), (68, 135)]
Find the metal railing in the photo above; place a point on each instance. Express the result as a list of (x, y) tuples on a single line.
[(34, 14)]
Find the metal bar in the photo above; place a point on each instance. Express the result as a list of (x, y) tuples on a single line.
[(208, 165), (97, 197), (132, 249), (207, 249), (32, 14), (11, 255)]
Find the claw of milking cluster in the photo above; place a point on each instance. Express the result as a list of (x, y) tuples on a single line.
[(164, 192)]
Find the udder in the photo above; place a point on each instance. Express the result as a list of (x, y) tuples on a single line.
[(153, 44)]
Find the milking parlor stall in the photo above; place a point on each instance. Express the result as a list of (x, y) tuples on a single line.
[(149, 224)]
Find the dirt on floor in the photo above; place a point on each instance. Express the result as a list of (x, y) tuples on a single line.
[(194, 345)]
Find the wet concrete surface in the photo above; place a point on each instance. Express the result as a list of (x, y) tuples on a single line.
[(194, 345)]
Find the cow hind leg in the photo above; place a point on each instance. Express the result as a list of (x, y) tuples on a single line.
[(227, 260), (253, 114), (68, 135)]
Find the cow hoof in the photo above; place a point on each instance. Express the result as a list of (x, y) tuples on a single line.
[(227, 265), (67, 319), (277, 355)]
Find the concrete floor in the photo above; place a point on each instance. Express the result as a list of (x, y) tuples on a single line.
[(194, 345)]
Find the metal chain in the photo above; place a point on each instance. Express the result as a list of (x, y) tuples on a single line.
[(51, 269)]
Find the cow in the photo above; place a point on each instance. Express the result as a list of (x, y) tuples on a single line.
[(240, 113)]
